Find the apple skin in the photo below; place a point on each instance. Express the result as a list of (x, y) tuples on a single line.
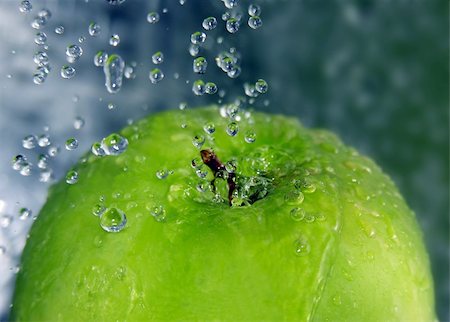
[(357, 255)]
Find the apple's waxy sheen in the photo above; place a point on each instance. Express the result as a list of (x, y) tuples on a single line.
[(332, 241)]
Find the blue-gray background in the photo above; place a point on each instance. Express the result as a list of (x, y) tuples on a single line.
[(375, 72)]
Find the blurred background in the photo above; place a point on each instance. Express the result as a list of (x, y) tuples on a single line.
[(374, 72)]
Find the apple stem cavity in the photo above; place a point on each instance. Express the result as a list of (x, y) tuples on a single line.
[(242, 190), (220, 171)]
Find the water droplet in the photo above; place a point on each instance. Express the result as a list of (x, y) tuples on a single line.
[(73, 53), (39, 78), (159, 213), (115, 2), (111, 106), (182, 106), (162, 174), (67, 72), (114, 144), (261, 86), (210, 88), (198, 141), (2, 250), (94, 29), (113, 220), (232, 25), (53, 151), (114, 40), (44, 140), (153, 17), (78, 123), (5, 221), (24, 213), (199, 65), (59, 30), (310, 218), (198, 37), (129, 72), (198, 87), (254, 10), (250, 137), (97, 149), (209, 128), (302, 247), (209, 23), (81, 39), (42, 161), (156, 75), (250, 90), (29, 142), (72, 177), (113, 70), (297, 214), (98, 209), (25, 6), (40, 58), (294, 197), (158, 57), (40, 38), (232, 129), (71, 144), (255, 22), (100, 58), (18, 162), (194, 50), (38, 22), (46, 175)]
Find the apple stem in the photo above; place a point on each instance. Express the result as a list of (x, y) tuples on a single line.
[(218, 168)]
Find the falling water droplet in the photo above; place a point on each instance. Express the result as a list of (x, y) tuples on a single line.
[(94, 29), (25, 6), (100, 58), (59, 30), (73, 53), (114, 40), (254, 10), (113, 220), (71, 144), (113, 70), (153, 17), (78, 123), (24, 213), (29, 142), (209, 23), (255, 22), (40, 38), (198, 37), (198, 141), (67, 72), (198, 87), (232, 25), (250, 137), (261, 86), (199, 65), (232, 129), (156, 75), (209, 128), (158, 58)]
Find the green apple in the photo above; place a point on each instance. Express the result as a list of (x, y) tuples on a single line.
[(315, 231)]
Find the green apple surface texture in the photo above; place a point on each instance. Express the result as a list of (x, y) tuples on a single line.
[(329, 238)]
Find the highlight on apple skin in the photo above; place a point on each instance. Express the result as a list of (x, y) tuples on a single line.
[(315, 231)]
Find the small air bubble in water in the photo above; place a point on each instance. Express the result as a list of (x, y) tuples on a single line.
[(210, 88), (232, 129), (157, 58), (59, 30), (159, 213), (25, 6), (94, 29), (24, 213), (199, 65), (198, 37), (209, 128), (209, 23), (198, 87), (113, 220), (40, 38), (114, 40), (232, 25), (250, 137), (153, 17), (72, 177), (156, 75), (29, 142), (114, 144), (71, 144), (113, 70), (255, 22), (67, 72), (254, 10)]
